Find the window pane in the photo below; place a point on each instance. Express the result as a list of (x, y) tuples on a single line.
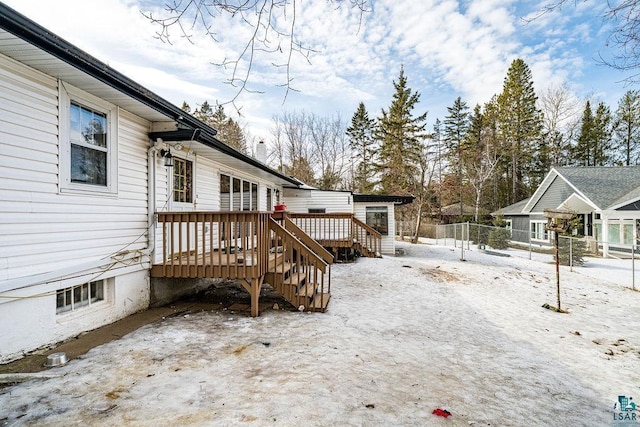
[(246, 196), (75, 126), (254, 197), (235, 205), (182, 180), (269, 201), (225, 191), (627, 231), (614, 233), (88, 166), (378, 219)]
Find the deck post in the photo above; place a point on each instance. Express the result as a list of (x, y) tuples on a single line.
[(256, 286)]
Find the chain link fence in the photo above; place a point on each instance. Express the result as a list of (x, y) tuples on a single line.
[(574, 252)]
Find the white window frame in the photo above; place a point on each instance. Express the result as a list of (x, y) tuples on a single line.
[(171, 180), (540, 225), (252, 206), (68, 94), (74, 306)]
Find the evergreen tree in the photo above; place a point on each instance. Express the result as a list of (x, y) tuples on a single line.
[(229, 131), (185, 107), (456, 126), (593, 147), (627, 128), (583, 150), (603, 154), (400, 136), (361, 142), (520, 126)]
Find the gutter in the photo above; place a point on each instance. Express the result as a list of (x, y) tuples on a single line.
[(26, 29)]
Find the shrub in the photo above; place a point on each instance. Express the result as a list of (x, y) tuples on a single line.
[(499, 238)]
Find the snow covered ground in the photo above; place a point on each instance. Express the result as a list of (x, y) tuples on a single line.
[(402, 336)]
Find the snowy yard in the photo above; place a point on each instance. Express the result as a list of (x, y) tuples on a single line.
[(402, 337)]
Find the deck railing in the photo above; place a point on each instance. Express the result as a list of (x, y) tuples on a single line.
[(336, 230), (298, 273), (213, 244), (244, 245)]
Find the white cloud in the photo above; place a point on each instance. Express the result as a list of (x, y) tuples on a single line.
[(449, 48)]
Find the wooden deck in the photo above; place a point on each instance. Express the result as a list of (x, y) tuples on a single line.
[(256, 248)]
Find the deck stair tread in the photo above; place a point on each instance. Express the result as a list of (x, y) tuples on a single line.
[(320, 301)]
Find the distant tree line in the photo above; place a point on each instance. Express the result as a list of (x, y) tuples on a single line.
[(488, 156)]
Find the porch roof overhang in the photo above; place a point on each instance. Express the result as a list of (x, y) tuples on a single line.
[(577, 204), (29, 43)]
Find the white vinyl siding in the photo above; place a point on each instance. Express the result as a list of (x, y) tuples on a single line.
[(301, 201), (388, 242), (44, 230)]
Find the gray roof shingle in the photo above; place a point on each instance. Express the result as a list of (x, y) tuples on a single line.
[(605, 186)]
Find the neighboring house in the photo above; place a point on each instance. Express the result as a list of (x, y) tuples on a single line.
[(113, 199), (606, 198), (376, 211), (451, 213)]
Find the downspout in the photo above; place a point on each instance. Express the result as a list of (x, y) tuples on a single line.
[(151, 195)]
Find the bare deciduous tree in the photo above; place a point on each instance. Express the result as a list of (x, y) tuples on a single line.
[(271, 32), (561, 111), (624, 38)]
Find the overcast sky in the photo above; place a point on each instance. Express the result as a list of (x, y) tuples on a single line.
[(448, 48)]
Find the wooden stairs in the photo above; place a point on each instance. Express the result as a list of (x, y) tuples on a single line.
[(297, 287), (298, 269)]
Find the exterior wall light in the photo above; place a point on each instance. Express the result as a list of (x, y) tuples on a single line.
[(168, 158)]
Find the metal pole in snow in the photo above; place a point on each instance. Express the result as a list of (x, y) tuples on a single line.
[(633, 267), (455, 235), (462, 242), (468, 237), (570, 253), (529, 245)]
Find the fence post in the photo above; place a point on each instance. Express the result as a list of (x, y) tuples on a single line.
[(570, 253), (529, 245), (461, 242), (468, 236), (633, 266), (455, 235)]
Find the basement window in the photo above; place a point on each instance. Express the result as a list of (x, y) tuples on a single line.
[(76, 297)]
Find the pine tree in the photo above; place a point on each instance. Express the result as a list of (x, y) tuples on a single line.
[(583, 150), (627, 128), (400, 136), (520, 126), (361, 142), (603, 149), (593, 147), (456, 126), (229, 131)]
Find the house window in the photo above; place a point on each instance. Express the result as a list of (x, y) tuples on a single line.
[(509, 226), (182, 180), (539, 231), (317, 210), (377, 217), (75, 297), (237, 194), (88, 142)]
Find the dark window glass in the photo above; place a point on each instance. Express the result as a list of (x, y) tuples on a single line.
[(88, 137), (378, 219)]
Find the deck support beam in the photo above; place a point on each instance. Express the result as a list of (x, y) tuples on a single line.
[(254, 286)]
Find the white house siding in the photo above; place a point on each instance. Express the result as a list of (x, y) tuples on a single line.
[(300, 200), (44, 231), (388, 242)]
